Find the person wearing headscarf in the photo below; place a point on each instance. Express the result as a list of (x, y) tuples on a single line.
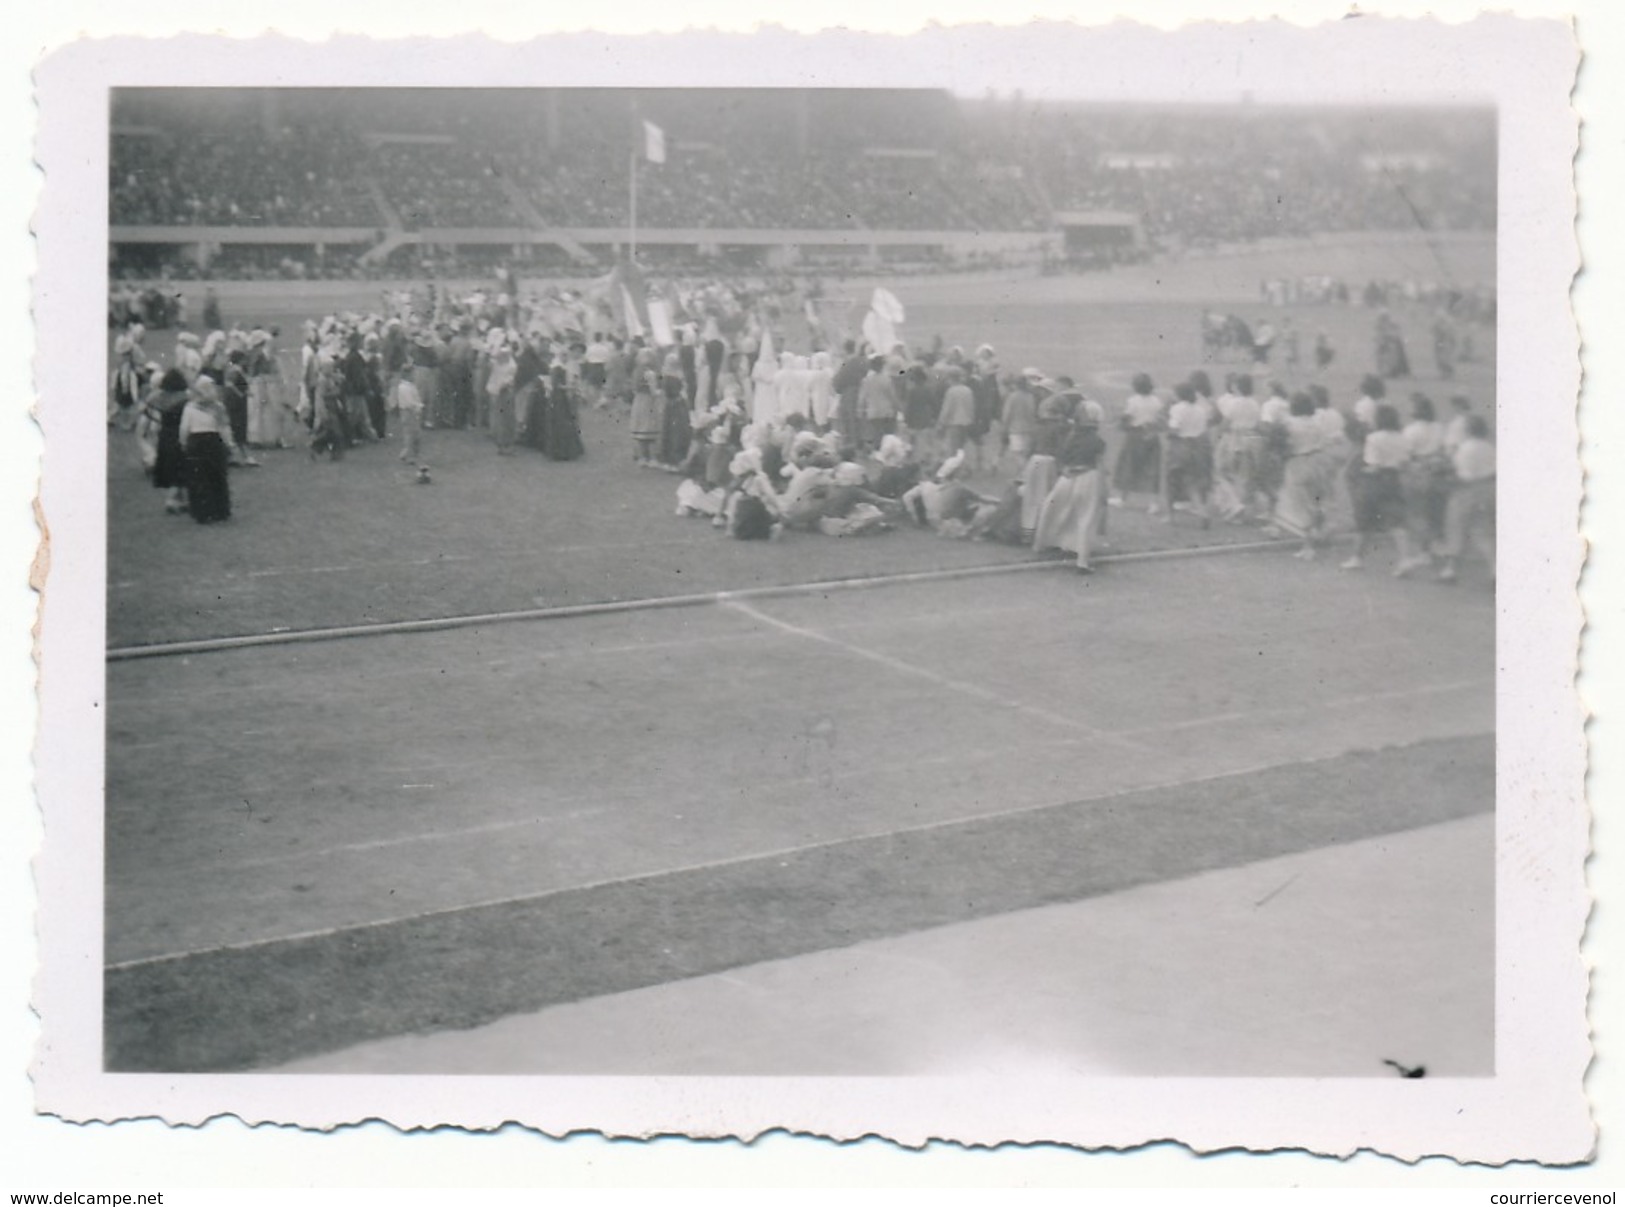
[(499, 387), (724, 429), (204, 431), (128, 384), (188, 355), (752, 511)]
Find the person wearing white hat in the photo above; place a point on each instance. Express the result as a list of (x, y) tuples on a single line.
[(752, 510), (128, 383), (205, 433), (499, 386)]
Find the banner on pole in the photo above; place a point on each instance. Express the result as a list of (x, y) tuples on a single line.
[(660, 323), (654, 143)]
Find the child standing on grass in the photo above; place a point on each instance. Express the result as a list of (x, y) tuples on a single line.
[(647, 407), (409, 402)]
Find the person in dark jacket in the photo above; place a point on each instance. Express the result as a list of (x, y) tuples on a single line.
[(354, 382)]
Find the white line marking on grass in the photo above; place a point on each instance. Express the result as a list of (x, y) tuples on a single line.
[(751, 857), (1428, 689), (402, 840), (958, 685)]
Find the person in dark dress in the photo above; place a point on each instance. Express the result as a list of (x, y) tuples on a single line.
[(204, 431), (563, 441), (353, 377), (675, 429), (164, 407), (377, 394), (530, 388)]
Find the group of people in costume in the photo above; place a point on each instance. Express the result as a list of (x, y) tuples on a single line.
[(840, 442), (879, 440)]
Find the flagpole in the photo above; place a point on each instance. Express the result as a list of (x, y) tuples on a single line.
[(632, 228)]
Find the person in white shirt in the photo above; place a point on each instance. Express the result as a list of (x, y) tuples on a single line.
[(1470, 514), (595, 369), (1190, 454), (1139, 458), (1456, 430), (1240, 452), (1425, 480), (409, 405), (1276, 407), (1379, 502), (1306, 484), (1372, 391)]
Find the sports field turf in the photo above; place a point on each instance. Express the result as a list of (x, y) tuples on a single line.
[(414, 832)]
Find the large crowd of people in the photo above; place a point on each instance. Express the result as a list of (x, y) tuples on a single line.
[(833, 436), (296, 178), (1306, 172)]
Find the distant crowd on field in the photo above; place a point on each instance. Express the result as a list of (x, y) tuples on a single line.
[(1267, 344), (847, 439)]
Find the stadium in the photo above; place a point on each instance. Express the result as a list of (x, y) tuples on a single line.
[(470, 755)]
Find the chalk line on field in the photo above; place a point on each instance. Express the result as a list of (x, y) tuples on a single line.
[(1403, 693), (958, 685)]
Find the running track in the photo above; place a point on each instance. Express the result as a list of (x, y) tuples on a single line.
[(427, 831)]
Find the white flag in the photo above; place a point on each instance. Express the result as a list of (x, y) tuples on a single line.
[(660, 324), (629, 309), (654, 143), (885, 304)]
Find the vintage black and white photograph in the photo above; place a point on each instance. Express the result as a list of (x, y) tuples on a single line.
[(952, 580)]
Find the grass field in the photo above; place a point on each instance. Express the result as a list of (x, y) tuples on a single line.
[(419, 832)]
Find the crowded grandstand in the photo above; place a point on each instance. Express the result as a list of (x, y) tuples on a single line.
[(296, 183)]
